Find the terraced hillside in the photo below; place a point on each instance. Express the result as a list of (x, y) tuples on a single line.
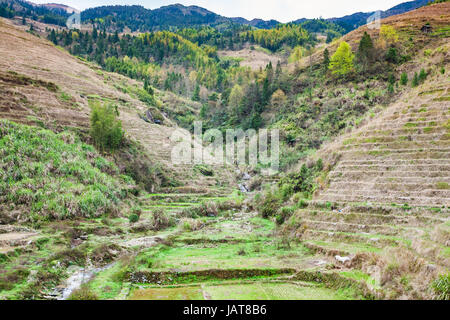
[(389, 189)]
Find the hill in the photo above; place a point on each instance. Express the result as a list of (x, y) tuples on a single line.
[(353, 21), (382, 198)]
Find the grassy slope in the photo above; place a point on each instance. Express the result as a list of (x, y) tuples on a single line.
[(55, 175)]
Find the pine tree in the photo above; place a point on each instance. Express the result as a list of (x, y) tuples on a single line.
[(326, 59), (266, 92), (196, 94), (365, 51)]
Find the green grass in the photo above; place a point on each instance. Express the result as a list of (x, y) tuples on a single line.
[(183, 293), (442, 186), (361, 276), (221, 256), (273, 291)]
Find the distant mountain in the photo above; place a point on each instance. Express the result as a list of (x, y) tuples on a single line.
[(257, 23), (57, 6), (138, 18), (354, 21), (56, 14)]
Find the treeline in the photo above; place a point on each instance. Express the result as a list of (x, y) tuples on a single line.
[(330, 29), (138, 18), (273, 39), (228, 37), (135, 55)]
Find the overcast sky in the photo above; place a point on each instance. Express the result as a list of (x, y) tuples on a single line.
[(281, 10)]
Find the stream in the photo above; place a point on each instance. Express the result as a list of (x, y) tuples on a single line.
[(76, 280)]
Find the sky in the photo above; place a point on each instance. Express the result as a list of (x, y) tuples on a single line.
[(281, 10)]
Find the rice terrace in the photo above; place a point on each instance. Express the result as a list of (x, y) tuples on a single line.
[(175, 153)]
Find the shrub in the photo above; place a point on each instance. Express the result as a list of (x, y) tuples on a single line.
[(204, 170), (133, 218), (161, 220), (422, 75), (415, 80), (106, 129), (404, 79), (284, 214), (441, 287), (84, 293), (392, 55)]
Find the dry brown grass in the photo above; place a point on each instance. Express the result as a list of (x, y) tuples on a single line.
[(254, 59)]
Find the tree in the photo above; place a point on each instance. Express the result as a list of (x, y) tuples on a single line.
[(236, 96), (196, 94), (106, 129), (278, 98), (296, 54), (148, 87), (326, 59), (341, 62), (388, 35), (266, 92), (391, 55), (365, 51)]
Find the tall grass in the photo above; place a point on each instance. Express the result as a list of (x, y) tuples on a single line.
[(48, 175)]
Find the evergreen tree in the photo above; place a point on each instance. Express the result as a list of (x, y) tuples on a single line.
[(365, 52), (266, 94), (422, 75), (326, 59), (196, 94)]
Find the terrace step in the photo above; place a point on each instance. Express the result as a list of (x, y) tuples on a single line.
[(403, 132), (347, 216), (401, 145), (423, 201), (349, 238), (393, 186), (396, 162), (350, 227), (393, 174)]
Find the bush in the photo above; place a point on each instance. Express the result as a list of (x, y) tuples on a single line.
[(392, 55), (422, 75), (84, 293), (106, 129), (404, 79), (415, 80), (161, 220), (133, 218), (441, 287)]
